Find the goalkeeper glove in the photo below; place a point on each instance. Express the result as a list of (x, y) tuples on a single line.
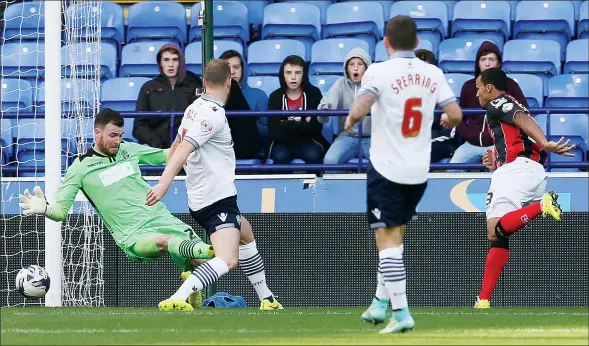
[(36, 204)]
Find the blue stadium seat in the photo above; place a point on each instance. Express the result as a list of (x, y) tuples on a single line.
[(139, 59), (30, 136), (266, 56), (157, 20), (322, 4), (7, 134), (568, 90), (265, 83), (230, 21), (431, 18), (292, 20), (361, 19), (76, 94), (23, 59), (248, 162), (456, 81), (482, 19), (327, 56), (549, 20), (577, 56), (381, 54), (323, 82), (532, 87), (458, 55), (255, 12), (121, 94), (355, 161), (386, 6), (577, 5), (112, 21), (573, 127), (583, 28), (16, 95), (78, 60), (513, 5), (540, 57), (193, 53), (24, 21)]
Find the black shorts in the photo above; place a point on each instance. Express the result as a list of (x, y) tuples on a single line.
[(390, 204), (223, 213)]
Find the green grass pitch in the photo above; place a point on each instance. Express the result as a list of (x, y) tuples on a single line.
[(106, 326)]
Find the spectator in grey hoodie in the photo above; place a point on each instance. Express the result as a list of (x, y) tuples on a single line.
[(340, 96)]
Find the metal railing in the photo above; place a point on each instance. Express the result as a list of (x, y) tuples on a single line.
[(359, 167)]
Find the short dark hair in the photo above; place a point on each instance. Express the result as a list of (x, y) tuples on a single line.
[(108, 116), (496, 77), (426, 55), (217, 72), (231, 53), (294, 60), (401, 33)]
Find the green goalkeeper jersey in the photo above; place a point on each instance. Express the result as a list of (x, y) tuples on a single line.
[(115, 188)]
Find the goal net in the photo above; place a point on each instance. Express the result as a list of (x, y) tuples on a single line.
[(28, 48)]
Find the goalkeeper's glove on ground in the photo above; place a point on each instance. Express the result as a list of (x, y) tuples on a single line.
[(34, 204)]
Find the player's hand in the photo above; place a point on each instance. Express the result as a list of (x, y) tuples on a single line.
[(560, 148), (156, 193), (33, 205), (489, 160), (444, 121), (349, 125)]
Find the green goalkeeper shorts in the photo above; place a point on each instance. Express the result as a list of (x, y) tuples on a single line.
[(181, 262)]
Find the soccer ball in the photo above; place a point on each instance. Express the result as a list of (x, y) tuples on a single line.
[(33, 281)]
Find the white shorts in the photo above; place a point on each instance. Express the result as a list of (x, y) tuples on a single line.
[(513, 185)]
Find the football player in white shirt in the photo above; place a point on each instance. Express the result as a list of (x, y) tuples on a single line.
[(401, 94), (204, 143)]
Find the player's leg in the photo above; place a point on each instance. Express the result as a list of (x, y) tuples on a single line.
[(252, 265)]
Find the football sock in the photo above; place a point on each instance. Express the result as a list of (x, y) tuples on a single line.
[(252, 265), (189, 249), (381, 289), (393, 271), (146, 247), (518, 219), (497, 258), (204, 275)]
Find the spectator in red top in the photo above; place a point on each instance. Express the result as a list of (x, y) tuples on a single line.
[(295, 136)]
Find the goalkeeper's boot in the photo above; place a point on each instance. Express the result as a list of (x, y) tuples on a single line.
[(482, 304), (376, 312), (266, 304), (400, 322), (205, 251), (195, 299), (550, 205), (174, 305)]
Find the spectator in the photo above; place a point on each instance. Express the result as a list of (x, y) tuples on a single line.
[(473, 129), (244, 130), (256, 98), (340, 96), (173, 90), (295, 136), (443, 142)]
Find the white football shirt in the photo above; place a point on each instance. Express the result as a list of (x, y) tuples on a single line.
[(407, 92), (210, 170)]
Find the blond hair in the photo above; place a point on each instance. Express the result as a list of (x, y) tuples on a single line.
[(217, 72)]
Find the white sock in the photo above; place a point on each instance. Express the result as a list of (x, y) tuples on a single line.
[(252, 265), (204, 275), (381, 289), (393, 271)]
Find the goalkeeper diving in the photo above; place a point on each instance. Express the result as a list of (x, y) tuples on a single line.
[(108, 174)]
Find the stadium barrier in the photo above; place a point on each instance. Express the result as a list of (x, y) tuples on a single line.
[(359, 167), (329, 259)]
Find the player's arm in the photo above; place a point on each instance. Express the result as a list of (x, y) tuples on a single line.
[(527, 124), (148, 155), (64, 197), (447, 101)]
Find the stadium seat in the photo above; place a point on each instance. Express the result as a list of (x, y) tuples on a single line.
[(573, 127), (577, 5), (322, 4), (583, 27), (248, 162), (23, 59), (381, 53), (30, 135), (193, 53), (323, 82), (24, 21), (230, 21), (266, 56), (386, 6), (112, 21), (549, 20), (265, 83), (482, 19), (327, 56), (78, 60), (255, 12), (292, 20), (456, 81), (431, 18), (139, 59), (568, 90), (458, 55), (16, 95), (532, 87), (7, 134), (76, 94), (361, 19), (121, 94), (532, 56), (577, 56), (157, 20)]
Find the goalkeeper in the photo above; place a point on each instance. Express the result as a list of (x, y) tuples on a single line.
[(109, 176)]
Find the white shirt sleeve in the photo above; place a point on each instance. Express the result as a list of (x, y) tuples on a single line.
[(445, 94), (369, 81), (201, 128)]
